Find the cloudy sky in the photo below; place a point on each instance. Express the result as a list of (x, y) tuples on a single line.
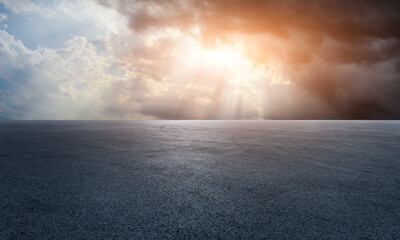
[(192, 59)]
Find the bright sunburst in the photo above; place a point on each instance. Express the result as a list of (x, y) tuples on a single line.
[(226, 68)]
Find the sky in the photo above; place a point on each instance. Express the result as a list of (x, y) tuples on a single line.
[(192, 59)]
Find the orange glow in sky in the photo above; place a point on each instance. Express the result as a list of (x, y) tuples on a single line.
[(192, 59)]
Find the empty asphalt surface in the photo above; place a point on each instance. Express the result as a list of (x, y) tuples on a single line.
[(200, 180)]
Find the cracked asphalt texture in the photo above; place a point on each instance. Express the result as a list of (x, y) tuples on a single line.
[(200, 180)]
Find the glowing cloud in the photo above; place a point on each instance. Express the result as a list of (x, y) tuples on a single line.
[(172, 59)]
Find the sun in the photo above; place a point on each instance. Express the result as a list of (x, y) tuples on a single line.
[(224, 56), (224, 77), (241, 79)]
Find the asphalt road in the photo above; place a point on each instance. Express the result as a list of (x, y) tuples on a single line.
[(200, 180)]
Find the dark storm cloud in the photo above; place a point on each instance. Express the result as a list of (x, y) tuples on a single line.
[(344, 20), (348, 57), (356, 92)]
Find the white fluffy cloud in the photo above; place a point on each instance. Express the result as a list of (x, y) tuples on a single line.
[(69, 82), (65, 83)]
